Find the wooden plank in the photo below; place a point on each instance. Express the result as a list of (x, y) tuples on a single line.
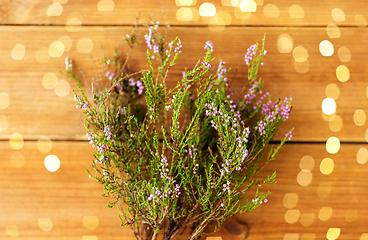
[(34, 110), (29, 192), (108, 12)]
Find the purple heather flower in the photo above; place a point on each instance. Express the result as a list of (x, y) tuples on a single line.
[(209, 45)]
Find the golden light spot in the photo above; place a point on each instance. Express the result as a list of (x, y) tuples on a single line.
[(213, 238), (292, 216), (56, 49), (362, 156), (307, 219), (248, 6), (54, 10), (333, 233), (42, 55), (325, 213), (364, 236), (16, 141), (185, 2), (74, 22), (360, 21), (338, 15), (89, 238), (332, 91), (60, 1), (326, 48), (290, 200), (333, 145), (184, 14), (44, 224), (84, 45), (304, 178), (300, 54), (291, 236), (327, 166), (49, 80), (344, 54), (231, 3), (12, 230), (4, 100), (359, 117), (323, 190), (306, 163), (308, 236), (3, 123), (216, 24), (327, 117), (52, 163), (301, 67), (366, 135), (62, 88), (105, 5), (284, 43), (67, 42), (90, 222), (17, 159), (224, 16), (296, 11), (18, 52), (44, 144), (333, 31), (342, 73), (328, 106), (271, 11), (207, 10), (351, 215), (335, 123)]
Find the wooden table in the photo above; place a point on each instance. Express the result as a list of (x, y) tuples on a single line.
[(316, 50)]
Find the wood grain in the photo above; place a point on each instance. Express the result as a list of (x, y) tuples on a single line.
[(67, 195), (35, 111), (124, 12)]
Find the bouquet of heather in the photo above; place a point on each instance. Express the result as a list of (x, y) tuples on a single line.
[(180, 158)]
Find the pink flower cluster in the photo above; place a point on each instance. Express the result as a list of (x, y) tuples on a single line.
[(80, 103)]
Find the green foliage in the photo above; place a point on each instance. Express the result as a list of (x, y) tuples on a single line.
[(181, 157)]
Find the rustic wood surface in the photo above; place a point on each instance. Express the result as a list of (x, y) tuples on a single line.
[(32, 107)]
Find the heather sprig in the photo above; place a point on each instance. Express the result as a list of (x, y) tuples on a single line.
[(181, 157)]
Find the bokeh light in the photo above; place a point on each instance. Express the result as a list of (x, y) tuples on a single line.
[(359, 117), (3, 123), (328, 106), (344, 54), (290, 200), (84, 45), (56, 49), (12, 231), (360, 21), (332, 91), (342, 73), (338, 15), (16, 141), (271, 11), (296, 11), (49, 80), (42, 55), (248, 6), (292, 216), (362, 156), (291, 236), (105, 5), (18, 52), (307, 219), (304, 178), (54, 10), (66, 41), (327, 166), (185, 2), (325, 213), (326, 48), (301, 67), (351, 215), (62, 88), (306, 163), (284, 43), (323, 190), (45, 224), (44, 144), (207, 10), (300, 54), (90, 222), (335, 123), (333, 31), (333, 145), (333, 233), (52, 163)]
